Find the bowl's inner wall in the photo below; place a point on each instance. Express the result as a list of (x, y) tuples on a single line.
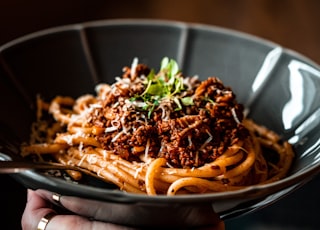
[(279, 87)]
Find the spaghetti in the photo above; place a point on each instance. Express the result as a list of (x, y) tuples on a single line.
[(160, 133)]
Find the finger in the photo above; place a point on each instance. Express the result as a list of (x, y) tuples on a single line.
[(46, 195), (37, 200), (84, 207), (35, 209)]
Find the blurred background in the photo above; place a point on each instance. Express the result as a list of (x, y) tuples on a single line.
[(293, 24)]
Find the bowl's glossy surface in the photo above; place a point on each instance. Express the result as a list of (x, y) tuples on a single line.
[(278, 86)]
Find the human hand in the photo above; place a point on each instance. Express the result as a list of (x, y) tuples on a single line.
[(40, 203)]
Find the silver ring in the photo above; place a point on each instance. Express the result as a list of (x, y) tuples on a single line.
[(45, 220)]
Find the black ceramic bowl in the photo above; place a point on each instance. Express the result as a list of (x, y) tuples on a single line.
[(278, 86)]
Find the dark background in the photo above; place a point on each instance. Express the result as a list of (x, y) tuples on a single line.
[(294, 24)]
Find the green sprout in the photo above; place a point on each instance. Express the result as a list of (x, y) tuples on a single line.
[(167, 84)]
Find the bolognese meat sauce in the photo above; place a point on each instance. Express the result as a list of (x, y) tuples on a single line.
[(184, 120)]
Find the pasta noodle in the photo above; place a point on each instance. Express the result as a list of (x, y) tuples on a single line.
[(160, 133)]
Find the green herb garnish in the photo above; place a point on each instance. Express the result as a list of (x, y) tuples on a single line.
[(165, 85)]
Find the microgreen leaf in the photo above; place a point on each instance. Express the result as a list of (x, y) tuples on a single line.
[(176, 100), (150, 76), (164, 63), (174, 67), (187, 101), (155, 89)]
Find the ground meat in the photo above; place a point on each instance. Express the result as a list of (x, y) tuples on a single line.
[(187, 137)]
